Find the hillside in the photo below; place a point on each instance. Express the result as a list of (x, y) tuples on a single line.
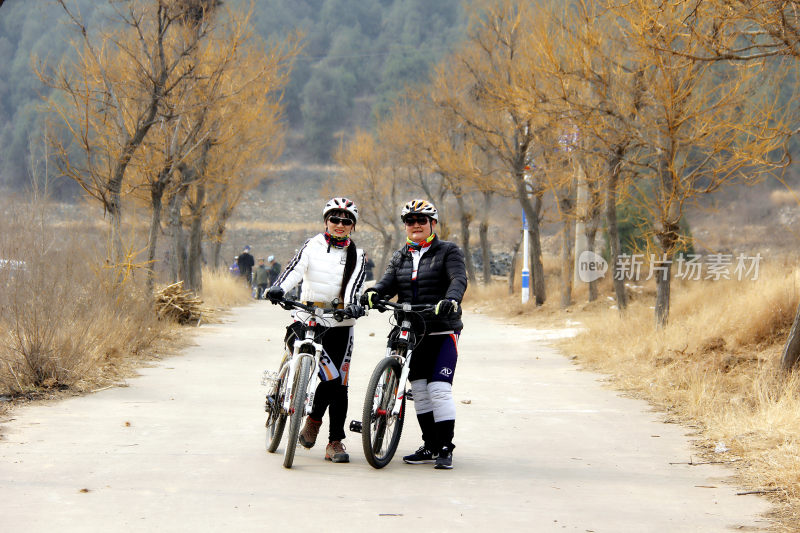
[(357, 54)]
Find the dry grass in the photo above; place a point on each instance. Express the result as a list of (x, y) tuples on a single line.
[(221, 290), (781, 197), (715, 367), (65, 326)]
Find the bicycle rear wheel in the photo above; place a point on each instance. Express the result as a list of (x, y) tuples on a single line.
[(276, 414), (298, 409), (380, 430)]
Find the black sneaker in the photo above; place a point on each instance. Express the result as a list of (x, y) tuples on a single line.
[(422, 456), (445, 458)]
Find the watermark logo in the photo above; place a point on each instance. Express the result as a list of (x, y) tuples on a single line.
[(694, 267), (591, 266), (637, 267)]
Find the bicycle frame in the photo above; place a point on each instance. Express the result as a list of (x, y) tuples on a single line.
[(309, 323), (407, 338), (297, 377), (382, 417)]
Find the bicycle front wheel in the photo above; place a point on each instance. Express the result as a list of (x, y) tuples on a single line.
[(380, 430), (276, 414), (298, 409)]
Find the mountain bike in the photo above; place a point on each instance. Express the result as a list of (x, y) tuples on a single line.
[(385, 402), (290, 393)]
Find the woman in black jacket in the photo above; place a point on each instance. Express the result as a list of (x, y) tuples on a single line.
[(429, 270)]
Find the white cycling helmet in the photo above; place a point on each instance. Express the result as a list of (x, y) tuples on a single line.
[(340, 204), (419, 207)]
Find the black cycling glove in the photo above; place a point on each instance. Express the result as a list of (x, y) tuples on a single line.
[(446, 307), (354, 311), (369, 297), (275, 294)]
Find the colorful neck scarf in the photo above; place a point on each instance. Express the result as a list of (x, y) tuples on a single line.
[(419, 245), (336, 242)]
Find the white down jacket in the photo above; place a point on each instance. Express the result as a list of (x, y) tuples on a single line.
[(321, 268)]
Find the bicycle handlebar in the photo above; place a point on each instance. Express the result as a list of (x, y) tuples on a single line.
[(338, 314), (386, 305)]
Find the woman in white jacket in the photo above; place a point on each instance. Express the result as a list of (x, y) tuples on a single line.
[(330, 267)]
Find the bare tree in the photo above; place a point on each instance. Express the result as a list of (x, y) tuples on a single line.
[(754, 31), (699, 127), (482, 72), (113, 92)]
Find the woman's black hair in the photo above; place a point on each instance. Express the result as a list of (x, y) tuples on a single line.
[(349, 268)]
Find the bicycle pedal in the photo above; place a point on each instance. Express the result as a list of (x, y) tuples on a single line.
[(269, 403), (355, 426)]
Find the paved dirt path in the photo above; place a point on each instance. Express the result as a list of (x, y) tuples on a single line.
[(541, 446)]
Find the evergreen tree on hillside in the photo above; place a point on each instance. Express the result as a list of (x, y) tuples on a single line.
[(365, 50), (27, 30), (358, 54)]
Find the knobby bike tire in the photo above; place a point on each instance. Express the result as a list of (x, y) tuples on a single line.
[(276, 417), (299, 391), (380, 431)]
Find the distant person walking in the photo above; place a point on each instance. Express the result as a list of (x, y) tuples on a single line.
[(246, 263), (261, 279), (369, 266), (234, 268), (274, 269)]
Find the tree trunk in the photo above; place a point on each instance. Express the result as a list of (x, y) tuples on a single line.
[(483, 232), (386, 253), (466, 219), (156, 193), (567, 261), (567, 264), (513, 270), (219, 234), (791, 352), (195, 253), (216, 248), (194, 266), (465, 236), (663, 278), (668, 236), (537, 267), (583, 210), (178, 263), (613, 232), (591, 237)]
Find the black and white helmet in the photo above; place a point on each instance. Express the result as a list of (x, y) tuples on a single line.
[(419, 207), (340, 204)]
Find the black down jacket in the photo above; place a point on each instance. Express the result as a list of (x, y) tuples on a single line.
[(441, 275)]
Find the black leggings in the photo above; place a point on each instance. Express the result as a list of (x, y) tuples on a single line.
[(333, 395)]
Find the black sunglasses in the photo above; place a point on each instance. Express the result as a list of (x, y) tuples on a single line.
[(342, 221), (410, 221)]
